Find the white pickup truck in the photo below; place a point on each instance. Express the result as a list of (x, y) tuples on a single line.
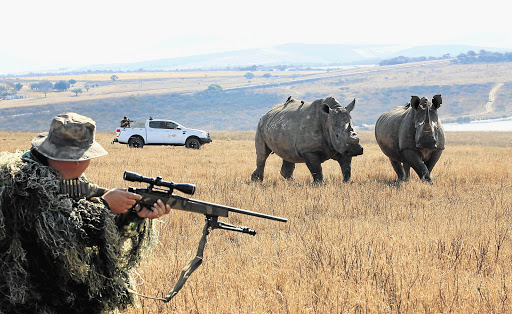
[(161, 132)]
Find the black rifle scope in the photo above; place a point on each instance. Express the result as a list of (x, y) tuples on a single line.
[(186, 188)]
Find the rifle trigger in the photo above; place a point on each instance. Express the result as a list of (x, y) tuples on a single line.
[(133, 210)]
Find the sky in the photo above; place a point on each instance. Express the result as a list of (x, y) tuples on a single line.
[(52, 34)]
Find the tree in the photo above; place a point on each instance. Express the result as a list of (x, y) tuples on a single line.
[(214, 88), (249, 75), (114, 78), (76, 91), (251, 68), (267, 75), (87, 86), (7, 89), (462, 57), (45, 86), (18, 86), (484, 52), (61, 86), (72, 81)]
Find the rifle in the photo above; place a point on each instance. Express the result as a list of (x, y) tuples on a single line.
[(163, 190)]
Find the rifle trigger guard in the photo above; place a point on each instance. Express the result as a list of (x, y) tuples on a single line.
[(133, 210)]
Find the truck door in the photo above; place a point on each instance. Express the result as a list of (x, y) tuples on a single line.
[(172, 134), (154, 132)]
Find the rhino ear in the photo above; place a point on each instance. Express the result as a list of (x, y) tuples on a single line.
[(415, 102), (325, 108), (351, 106), (437, 101)]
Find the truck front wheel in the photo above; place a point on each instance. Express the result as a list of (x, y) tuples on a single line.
[(136, 142), (193, 143)]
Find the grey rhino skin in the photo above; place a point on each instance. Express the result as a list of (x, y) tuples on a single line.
[(311, 133), (412, 136)]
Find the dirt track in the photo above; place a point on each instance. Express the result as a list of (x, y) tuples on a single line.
[(489, 107)]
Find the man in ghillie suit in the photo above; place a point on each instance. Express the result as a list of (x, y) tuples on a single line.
[(67, 245)]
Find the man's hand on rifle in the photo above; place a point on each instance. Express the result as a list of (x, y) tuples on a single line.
[(157, 210), (120, 201)]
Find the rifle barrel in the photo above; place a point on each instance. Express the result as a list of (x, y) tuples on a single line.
[(241, 211)]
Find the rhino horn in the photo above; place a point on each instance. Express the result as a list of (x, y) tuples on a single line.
[(351, 106), (427, 127)]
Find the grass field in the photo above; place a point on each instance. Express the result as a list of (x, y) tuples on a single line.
[(370, 246)]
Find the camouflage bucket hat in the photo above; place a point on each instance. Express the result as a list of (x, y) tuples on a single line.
[(71, 138)]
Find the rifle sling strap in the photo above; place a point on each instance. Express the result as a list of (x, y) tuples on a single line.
[(187, 270), (192, 266)]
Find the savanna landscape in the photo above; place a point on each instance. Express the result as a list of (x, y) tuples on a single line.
[(373, 245), (212, 100)]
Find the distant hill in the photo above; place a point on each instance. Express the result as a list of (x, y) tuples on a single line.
[(440, 50), (465, 88), (291, 54), (187, 97)]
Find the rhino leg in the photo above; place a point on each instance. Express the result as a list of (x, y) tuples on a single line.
[(414, 159), (287, 170), (407, 169), (346, 166), (314, 163), (262, 152), (399, 169), (434, 157)]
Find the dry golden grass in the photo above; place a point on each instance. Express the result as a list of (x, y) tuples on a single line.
[(370, 246)]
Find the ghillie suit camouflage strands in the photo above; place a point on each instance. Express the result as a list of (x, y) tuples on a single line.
[(58, 254)]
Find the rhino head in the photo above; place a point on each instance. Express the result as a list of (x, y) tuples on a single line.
[(339, 129), (426, 121)]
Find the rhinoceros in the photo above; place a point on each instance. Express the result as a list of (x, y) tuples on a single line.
[(412, 136), (311, 133)]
